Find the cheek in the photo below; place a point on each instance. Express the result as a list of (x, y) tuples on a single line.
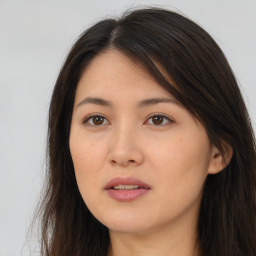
[(182, 163), (87, 159), (84, 149), (181, 170)]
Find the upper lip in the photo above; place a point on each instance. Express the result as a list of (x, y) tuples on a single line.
[(125, 181)]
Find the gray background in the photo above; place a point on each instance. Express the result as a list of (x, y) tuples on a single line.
[(35, 37)]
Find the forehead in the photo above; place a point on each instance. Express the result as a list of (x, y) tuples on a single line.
[(113, 79), (113, 71)]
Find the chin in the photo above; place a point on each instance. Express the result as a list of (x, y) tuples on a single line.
[(128, 229), (129, 224)]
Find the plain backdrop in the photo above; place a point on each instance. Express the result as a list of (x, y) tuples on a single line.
[(35, 37)]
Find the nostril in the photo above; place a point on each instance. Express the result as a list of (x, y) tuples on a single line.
[(113, 162), (121, 162)]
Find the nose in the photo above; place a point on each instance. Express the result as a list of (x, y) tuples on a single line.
[(125, 148)]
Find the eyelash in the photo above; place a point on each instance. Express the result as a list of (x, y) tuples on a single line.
[(89, 118), (167, 119)]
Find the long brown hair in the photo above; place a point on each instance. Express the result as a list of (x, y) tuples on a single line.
[(205, 85)]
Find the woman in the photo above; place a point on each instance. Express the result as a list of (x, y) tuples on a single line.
[(151, 151)]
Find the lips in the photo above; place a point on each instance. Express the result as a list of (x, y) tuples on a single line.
[(126, 189), (126, 181)]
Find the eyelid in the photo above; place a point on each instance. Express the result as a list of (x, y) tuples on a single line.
[(169, 119), (89, 117), (164, 116)]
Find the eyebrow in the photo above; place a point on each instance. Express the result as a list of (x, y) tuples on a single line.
[(141, 104), (153, 101), (96, 101)]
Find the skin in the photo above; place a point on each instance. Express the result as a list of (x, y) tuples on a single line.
[(173, 156)]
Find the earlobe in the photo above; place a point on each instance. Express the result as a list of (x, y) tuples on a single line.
[(220, 159)]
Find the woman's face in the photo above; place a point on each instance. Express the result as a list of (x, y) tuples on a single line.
[(140, 157)]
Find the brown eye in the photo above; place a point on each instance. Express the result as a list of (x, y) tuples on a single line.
[(158, 120), (95, 120)]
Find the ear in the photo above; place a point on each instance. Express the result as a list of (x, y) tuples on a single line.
[(220, 159)]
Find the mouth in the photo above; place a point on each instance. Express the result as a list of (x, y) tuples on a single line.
[(126, 189)]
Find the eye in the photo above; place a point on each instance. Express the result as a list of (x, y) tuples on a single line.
[(159, 120), (96, 120)]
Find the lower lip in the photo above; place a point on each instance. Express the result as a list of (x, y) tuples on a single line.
[(127, 195)]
